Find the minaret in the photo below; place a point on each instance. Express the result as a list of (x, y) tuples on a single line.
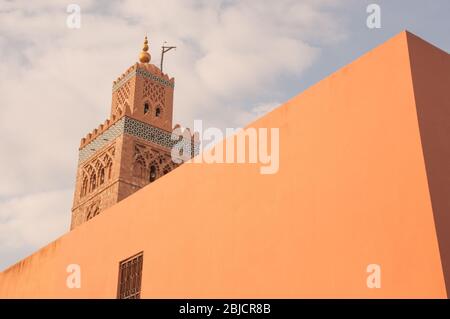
[(132, 148)]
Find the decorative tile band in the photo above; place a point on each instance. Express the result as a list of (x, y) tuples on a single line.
[(123, 81), (134, 128), (155, 135), (102, 140), (144, 74), (155, 78)]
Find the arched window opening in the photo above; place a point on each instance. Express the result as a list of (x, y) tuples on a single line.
[(139, 167), (153, 174), (158, 112), (93, 211), (93, 182), (84, 186), (109, 169), (146, 108), (101, 175)]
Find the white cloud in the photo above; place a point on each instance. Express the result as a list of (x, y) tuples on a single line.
[(231, 58), (32, 221), (246, 117)]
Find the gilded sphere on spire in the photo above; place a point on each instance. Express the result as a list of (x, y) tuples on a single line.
[(144, 56)]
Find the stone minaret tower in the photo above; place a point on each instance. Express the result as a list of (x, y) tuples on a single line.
[(133, 147)]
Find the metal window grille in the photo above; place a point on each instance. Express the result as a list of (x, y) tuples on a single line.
[(130, 276)]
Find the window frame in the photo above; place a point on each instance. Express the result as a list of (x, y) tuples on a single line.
[(121, 283)]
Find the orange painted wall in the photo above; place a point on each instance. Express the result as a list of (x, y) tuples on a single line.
[(351, 191), (431, 79)]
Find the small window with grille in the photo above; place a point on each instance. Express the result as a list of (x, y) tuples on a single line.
[(130, 276)]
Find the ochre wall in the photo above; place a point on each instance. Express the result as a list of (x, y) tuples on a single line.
[(351, 191), (431, 79)]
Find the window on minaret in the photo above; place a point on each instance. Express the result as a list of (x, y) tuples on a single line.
[(101, 175), (158, 112), (109, 168), (93, 182), (130, 277), (84, 186), (93, 211), (146, 108), (139, 167), (152, 173)]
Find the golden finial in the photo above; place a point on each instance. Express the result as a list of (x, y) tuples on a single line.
[(145, 57)]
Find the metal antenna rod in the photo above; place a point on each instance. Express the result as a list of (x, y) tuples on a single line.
[(164, 50)]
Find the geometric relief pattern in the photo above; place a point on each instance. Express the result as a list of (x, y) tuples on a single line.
[(122, 81), (150, 164), (123, 95), (93, 210), (98, 171), (155, 93)]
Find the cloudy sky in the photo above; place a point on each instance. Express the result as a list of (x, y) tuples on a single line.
[(235, 60)]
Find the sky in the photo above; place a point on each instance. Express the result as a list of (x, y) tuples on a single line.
[(235, 61)]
